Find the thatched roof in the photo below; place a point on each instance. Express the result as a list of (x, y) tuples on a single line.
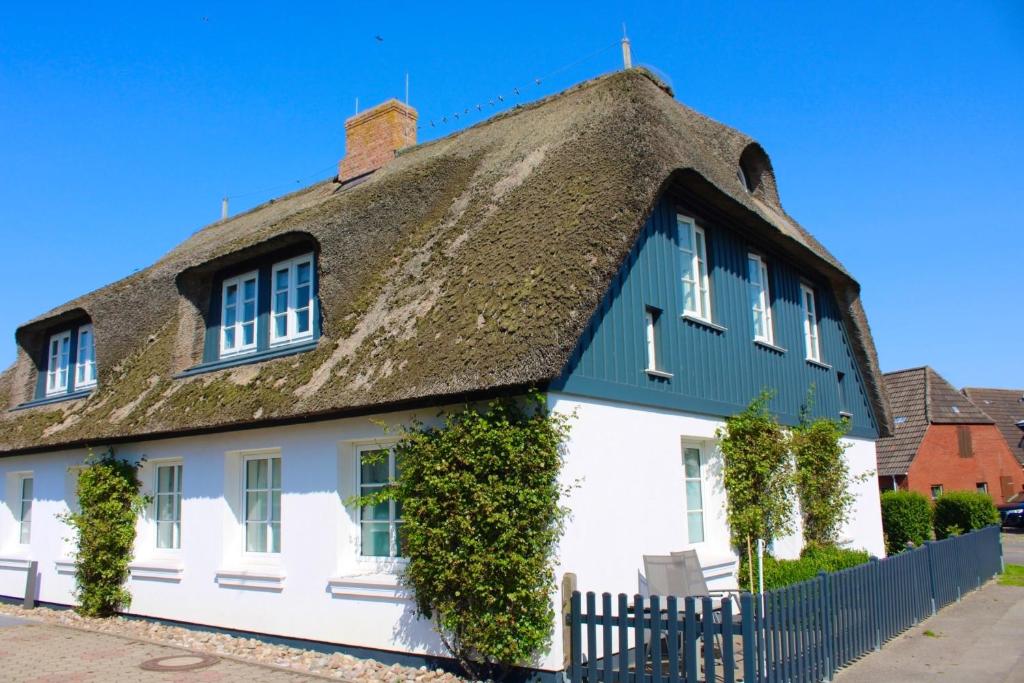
[(468, 264), (920, 397)]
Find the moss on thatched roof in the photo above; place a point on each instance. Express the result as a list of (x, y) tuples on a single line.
[(468, 264)]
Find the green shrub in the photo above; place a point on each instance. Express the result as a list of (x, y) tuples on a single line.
[(958, 512), (906, 516), (104, 527), (813, 559), (481, 517), (823, 481)]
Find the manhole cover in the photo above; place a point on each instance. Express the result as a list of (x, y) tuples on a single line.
[(179, 663)]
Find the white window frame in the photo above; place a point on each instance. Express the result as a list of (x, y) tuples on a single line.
[(699, 279), (702, 510), (244, 505), (981, 487), (812, 333), (176, 493), (85, 367), (239, 282), (57, 377), (651, 337), (393, 520), (761, 297), (25, 525), (936, 496), (292, 311)]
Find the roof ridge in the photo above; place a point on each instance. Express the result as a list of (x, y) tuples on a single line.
[(927, 394)]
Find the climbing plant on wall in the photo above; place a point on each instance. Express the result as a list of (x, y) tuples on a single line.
[(104, 529), (481, 515), (823, 481)]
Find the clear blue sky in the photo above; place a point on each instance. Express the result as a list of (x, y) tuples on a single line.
[(896, 131)]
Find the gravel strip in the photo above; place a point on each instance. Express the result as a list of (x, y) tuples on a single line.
[(336, 666)]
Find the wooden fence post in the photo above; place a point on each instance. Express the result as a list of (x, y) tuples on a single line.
[(568, 586)]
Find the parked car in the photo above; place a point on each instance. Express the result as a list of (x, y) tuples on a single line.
[(1012, 515)]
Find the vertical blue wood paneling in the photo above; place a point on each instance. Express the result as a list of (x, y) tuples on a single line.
[(714, 372)]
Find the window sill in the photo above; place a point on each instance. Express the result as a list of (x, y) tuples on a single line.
[(373, 587), (247, 358), (16, 561), (818, 364), (58, 398), (659, 374), (846, 414), (156, 570), (251, 578), (66, 566), (703, 323), (768, 345)]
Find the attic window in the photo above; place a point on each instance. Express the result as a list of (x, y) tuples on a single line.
[(68, 363), (742, 177), (900, 420), (955, 409)]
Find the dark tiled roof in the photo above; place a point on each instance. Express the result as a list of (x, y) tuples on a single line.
[(467, 265), (1006, 408), (919, 397)]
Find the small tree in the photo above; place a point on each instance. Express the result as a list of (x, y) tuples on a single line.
[(823, 481), (757, 474), (958, 512), (104, 527), (481, 517), (906, 517)]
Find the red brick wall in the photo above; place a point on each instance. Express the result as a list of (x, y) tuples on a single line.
[(938, 461), (372, 137)]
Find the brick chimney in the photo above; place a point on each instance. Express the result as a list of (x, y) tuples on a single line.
[(373, 137)]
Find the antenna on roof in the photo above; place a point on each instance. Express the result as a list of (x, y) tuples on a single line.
[(627, 58), (357, 105), (224, 208)]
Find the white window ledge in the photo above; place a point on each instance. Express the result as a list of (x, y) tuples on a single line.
[(65, 566), (818, 364), (768, 345), (253, 578), (689, 317), (661, 374), (373, 587), (15, 562), (156, 570)]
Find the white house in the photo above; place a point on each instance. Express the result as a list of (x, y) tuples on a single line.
[(608, 245)]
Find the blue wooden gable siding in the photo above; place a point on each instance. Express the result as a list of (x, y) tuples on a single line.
[(714, 372)]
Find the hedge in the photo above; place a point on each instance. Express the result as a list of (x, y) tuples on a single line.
[(813, 559), (958, 512), (906, 516)]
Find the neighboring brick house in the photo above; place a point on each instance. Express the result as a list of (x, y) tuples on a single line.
[(943, 441), (1006, 408)]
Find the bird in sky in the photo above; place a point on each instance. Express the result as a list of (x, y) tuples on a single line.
[(379, 39)]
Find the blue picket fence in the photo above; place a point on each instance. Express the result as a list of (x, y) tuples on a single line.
[(797, 634)]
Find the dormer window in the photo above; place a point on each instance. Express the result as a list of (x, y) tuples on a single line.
[(238, 315), (69, 364), (291, 314)]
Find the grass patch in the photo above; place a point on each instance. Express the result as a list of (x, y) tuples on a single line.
[(930, 633), (1013, 576)]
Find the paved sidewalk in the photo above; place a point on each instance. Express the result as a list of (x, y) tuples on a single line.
[(981, 638), (1013, 546), (35, 652)]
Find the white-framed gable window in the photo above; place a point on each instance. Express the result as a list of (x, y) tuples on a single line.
[(694, 264), (239, 296), (651, 337), (85, 364), (380, 525), (167, 506), (291, 317), (59, 359), (261, 498), (810, 314), (25, 492), (694, 483), (760, 298)]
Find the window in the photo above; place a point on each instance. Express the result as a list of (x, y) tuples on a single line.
[(58, 361), (25, 510), (262, 504), (238, 314), (380, 524), (982, 487), (168, 506), (651, 317), (810, 323), (694, 494), (963, 441), (936, 491), (291, 316), (696, 288), (85, 366), (760, 298)]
